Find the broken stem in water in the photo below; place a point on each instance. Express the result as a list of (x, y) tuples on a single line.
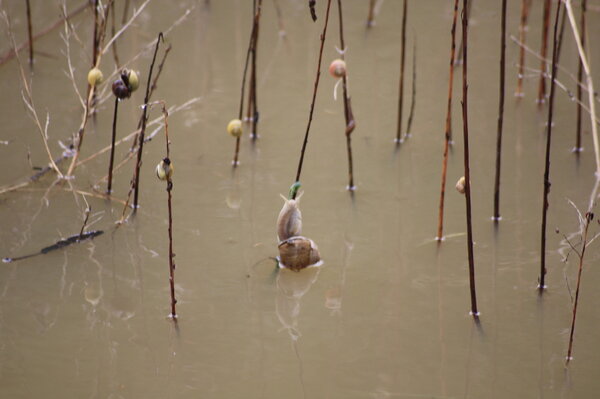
[(448, 127), (413, 97), (29, 35), (465, 24), (590, 83), (525, 4), (235, 161), (314, 96), (348, 114), (578, 146), (496, 216), (112, 147), (138, 163), (401, 84), (546, 27), (542, 279), (371, 16)]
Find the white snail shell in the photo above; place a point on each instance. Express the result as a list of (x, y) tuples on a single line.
[(298, 252), (460, 185), (289, 221)]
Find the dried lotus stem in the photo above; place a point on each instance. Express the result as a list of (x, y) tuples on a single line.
[(314, 96)]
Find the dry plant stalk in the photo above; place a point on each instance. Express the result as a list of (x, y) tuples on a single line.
[(99, 35), (252, 101), (28, 98), (314, 97), (371, 16), (448, 127), (168, 176), (542, 85), (348, 114), (590, 84), (584, 224), (10, 53), (578, 147), (496, 216), (401, 84), (525, 4), (465, 27), (138, 164), (235, 161), (542, 283)]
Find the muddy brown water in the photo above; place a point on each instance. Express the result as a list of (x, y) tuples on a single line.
[(387, 314)]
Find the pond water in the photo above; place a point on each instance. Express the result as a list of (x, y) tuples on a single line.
[(387, 314)]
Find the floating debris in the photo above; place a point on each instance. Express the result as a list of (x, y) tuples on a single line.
[(59, 244)]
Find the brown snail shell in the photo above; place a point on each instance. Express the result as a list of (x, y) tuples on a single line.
[(289, 221), (298, 252)]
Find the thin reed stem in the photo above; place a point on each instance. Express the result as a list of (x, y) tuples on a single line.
[(590, 83), (112, 147), (235, 161), (542, 85), (371, 16), (448, 127), (348, 114), (314, 97), (29, 34), (588, 218), (138, 164), (413, 96), (542, 279), (254, 113), (525, 4), (169, 203), (465, 25), (496, 216), (578, 146), (401, 84)]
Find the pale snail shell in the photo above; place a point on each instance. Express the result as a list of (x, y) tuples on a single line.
[(298, 252), (461, 184), (289, 221)]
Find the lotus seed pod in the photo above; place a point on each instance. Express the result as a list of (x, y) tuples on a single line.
[(95, 76), (164, 169), (460, 185), (234, 127), (337, 68), (120, 89), (134, 80)]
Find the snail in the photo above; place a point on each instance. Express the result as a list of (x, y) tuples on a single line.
[(295, 251), (234, 127), (164, 169), (460, 185), (298, 252), (132, 79), (95, 76), (289, 221), (337, 68), (120, 89)]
